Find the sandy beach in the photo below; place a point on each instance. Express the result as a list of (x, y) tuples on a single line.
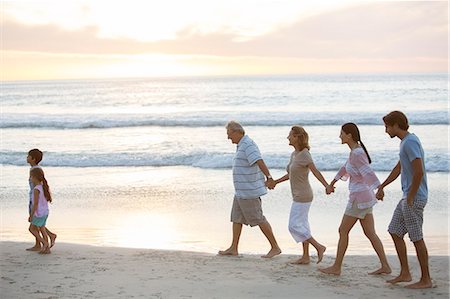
[(81, 271)]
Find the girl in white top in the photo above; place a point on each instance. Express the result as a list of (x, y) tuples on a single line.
[(362, 183), (297, 173)]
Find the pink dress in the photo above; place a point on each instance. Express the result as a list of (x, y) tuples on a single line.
[(363, 180), (42, 203)]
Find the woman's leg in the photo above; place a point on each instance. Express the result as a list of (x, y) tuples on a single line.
[(319, 247), (304, 260), (344, 229), (368, 225)]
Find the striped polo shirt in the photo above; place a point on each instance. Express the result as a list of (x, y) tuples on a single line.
[(248, 179)]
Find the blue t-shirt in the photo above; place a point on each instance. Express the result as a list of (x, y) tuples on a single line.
[(411, 149)]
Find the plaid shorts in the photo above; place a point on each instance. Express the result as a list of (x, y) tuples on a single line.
[(408, 219)]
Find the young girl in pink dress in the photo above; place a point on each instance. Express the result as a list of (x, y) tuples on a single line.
[(363, 182), (39, 208)]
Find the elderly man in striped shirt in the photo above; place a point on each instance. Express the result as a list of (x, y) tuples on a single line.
[(249, 170)]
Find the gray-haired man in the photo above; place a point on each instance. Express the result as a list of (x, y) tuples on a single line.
[(249, 170)]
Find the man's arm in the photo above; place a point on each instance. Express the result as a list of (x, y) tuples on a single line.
[(264, 169), (417, 178), (392, 177)]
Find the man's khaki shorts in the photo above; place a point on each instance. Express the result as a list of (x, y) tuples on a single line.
[(247, 211)]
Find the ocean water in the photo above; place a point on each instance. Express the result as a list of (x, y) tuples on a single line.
[(146, 162)]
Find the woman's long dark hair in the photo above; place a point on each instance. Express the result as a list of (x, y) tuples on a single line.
[(38, 173), (351, 128)]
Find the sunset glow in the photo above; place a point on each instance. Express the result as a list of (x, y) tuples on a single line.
[(100, 39)]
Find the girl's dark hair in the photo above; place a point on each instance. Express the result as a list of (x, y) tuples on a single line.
[(38, 173), (351, 128)]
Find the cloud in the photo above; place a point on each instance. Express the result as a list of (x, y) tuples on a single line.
[(377, 37), (387, 30)]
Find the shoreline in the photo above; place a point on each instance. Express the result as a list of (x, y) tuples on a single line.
[(85, 271)]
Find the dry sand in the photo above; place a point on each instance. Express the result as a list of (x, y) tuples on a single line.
[(81, 271)]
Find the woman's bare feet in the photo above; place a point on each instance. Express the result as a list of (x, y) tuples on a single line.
[(301, 261), (229, 251), (400, 278), (273, 252), (333, 270), (320, 253), (382, 270)]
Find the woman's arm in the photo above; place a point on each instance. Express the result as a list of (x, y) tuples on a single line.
[(317, 174)]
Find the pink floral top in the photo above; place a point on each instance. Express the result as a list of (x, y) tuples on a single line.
[(363, 180)]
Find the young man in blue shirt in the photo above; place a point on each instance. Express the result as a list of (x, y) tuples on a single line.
[(408, 215)]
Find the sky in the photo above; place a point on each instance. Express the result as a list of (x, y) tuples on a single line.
[(107, 39)]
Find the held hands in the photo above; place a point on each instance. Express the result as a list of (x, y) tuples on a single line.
[(270, 183), (329, 189), (380, 194)]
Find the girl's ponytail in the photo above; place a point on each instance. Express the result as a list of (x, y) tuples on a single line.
[(351, 128), (46, 188), (38, 173), (367, 153)]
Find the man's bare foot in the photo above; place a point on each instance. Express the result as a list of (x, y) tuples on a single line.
[(229, 251), (382, 270), (34, 248), (273, 252), (301, 261), (400, 278), (320, 252), (52, 240), (331, 270), (426, 284)]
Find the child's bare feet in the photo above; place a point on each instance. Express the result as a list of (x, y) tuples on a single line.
[(301, 261), (45, 250), (229, 251), (331, 270), (34, 248), (52, 240), (273, 252)]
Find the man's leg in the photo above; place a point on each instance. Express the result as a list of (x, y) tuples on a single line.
[(400, 247), (267, 231), (422, 256), (233, 250)]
